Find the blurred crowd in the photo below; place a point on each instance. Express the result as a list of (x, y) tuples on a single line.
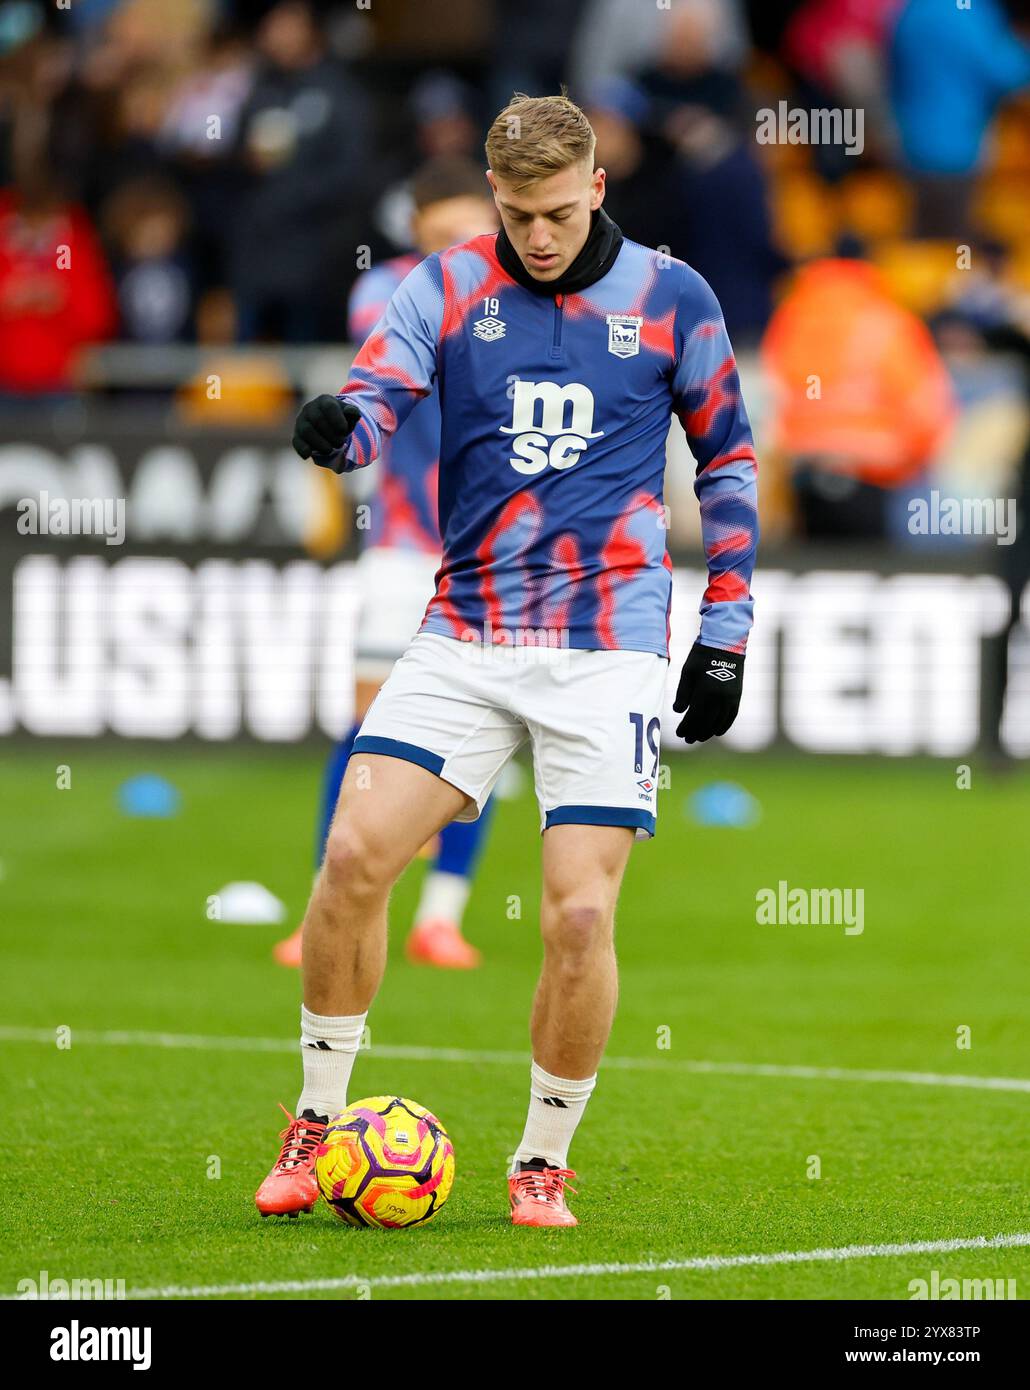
[(222, 170)]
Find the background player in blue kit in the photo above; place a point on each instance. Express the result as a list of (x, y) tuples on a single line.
[(398, 565), (559, 350)]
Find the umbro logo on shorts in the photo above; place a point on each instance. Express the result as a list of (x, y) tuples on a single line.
[(721, 674)]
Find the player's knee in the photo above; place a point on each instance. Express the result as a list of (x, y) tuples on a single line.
[(349, 868), (576, 930)]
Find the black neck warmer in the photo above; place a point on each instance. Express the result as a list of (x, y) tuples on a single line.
[(594, 261)]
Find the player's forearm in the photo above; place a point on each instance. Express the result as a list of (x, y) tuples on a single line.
[(393, 370), (728, 496), (380, 410)]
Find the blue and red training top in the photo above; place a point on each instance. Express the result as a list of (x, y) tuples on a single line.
[(553, 422)]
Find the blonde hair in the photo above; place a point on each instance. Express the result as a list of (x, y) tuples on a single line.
[(534, 137)]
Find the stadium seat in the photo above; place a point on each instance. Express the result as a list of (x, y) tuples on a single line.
[(252, 389), (876, 205), (1003, 206), (918, 272), (1009, 144), (1019, 266), (804, 214)]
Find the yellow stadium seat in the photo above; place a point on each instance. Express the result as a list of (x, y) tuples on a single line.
[(1019, 266), (1009, 144), (1002, 206), (804, 215), (236, 388), (919, 273), (876, 205)]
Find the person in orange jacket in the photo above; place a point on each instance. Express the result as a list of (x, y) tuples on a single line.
[(861, 398)]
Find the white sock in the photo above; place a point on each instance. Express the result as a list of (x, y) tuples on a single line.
[(444, 896), (556, 1107), (328, 1047)]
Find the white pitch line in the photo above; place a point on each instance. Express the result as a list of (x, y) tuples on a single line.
[(224, 1043), (500, 1276)]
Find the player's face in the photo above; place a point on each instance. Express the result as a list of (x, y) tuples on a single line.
[(452, 221), (548, 223)]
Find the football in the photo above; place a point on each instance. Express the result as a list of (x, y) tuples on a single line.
[(385, 1162)]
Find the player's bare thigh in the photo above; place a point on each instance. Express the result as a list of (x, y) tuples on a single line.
[(583, 867), (388, 809), (365, 692)]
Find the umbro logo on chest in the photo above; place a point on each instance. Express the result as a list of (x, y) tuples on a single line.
[(488, 330)]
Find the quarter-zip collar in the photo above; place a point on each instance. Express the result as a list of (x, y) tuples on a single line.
[(594, 261)]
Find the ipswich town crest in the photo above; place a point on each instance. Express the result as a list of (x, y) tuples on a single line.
[(624, 334)]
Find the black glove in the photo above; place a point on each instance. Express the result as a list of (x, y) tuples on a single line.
[(709, 691), (322, 428)]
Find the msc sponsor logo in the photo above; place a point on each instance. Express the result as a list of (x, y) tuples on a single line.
[(552, 425)]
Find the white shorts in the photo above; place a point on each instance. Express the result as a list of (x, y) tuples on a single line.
[(462, 710), (394, 588)]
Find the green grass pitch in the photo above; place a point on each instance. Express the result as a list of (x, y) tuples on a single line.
[(108, 1148)]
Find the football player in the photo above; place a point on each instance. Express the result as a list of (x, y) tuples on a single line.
[(559, 349)]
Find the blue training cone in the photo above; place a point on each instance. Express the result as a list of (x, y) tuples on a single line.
[(148, 795), (724, 804)]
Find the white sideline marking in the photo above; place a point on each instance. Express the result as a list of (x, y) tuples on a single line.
[(200, 1042), (497, 1276)]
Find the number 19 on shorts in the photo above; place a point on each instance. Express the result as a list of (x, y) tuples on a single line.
[(653, 732)]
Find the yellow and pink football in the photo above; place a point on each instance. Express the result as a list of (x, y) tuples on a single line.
[(385, 1162)]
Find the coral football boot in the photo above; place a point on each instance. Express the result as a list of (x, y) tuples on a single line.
[(537, 1195), (291, 1187), (288, 951), (439, 942)]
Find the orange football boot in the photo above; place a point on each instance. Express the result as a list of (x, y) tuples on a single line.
[(287, 951), (439, 942), (537, 1197), (291, 1187)]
